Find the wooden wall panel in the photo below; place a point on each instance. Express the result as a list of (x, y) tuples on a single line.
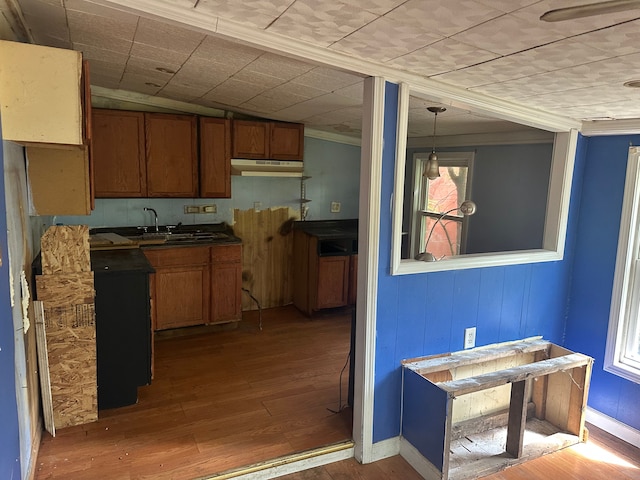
[(267, 252)]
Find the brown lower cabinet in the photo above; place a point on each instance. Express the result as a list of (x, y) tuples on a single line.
[(191, 286), (321, 281)]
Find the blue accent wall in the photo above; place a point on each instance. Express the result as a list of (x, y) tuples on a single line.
[(426, 314), (605, 163), (9, 433)]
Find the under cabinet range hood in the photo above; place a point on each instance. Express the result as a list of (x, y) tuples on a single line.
[(266, 168)]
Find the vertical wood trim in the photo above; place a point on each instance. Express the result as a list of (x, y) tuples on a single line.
[(578, 401), (368, 249), (540, 385), (517, 418)]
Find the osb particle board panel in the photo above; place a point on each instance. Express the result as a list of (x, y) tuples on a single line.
[(71, 351), (43, 370), (267, 251), (62, 290), (65, 249)]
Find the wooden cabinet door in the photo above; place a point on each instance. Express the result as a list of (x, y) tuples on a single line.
[(333, 281), (181, 286), (226, 283), (250, 139), (287, 141), (215, 157), (172, 155), (118, 154)]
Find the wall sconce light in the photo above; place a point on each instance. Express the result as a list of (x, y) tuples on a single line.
[(467, 208), (433, 169)]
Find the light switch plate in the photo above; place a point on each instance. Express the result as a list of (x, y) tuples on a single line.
[(335, 207), (191, 209)]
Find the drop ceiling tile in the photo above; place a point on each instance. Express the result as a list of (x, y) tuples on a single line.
[(140, 83), (257, 13), (555, 56), (160, 56), (260, 80), (508, 34), (576, 26), (206, 81), (377, 7), (52, 41), (384, 39), (184, 93), (219, 51), (266, 103), (167, 36), (622, 39), (355, 91), (327, 79), (91, 52), (441, 57), (443, 18), (139, 64), (321, 23), (278, 66), (101, 40), (233, 92), (100, 27), (49, 26), (507, 6), (37, 8), (304, 92), (95, 9)]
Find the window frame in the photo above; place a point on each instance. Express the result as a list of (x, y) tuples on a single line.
[(445, 159), (561, 176), (625, 298)]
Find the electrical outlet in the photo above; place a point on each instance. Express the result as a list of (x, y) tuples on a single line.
[(257, 206), (191, 209), (470, 337), (335, 207), (208, 208)]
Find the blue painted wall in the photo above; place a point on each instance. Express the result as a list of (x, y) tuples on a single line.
[(427, 313), (595, 257), (9, 433), (334, 169)]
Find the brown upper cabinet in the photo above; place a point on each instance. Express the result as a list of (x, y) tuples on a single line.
[(287, 141), (118, 154), (215, 155), (172, 155), (268, 140)]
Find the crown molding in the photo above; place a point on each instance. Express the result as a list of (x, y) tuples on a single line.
[(595, 128), (332, 137), (426, 88), (528, 137)]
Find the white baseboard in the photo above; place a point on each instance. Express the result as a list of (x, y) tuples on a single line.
[(613, 426), (385, 449)]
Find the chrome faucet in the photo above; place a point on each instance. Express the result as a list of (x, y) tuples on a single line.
[(155, 214)]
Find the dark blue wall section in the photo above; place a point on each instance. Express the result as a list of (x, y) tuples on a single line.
[(9, 436), (605, 160), (427, 313)]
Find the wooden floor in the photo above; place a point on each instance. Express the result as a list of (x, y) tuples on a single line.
[(219, 400), (603, 457)]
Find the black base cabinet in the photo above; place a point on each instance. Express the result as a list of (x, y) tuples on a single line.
[(123, 325)]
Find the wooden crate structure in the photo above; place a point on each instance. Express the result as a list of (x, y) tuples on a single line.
[(67, 327), (474, 412)]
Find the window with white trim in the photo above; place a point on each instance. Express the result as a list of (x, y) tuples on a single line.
[(446, 234), (622, 355)]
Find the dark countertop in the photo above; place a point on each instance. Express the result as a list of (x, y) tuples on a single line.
[(125, 260), (329, 229), (202, 234)]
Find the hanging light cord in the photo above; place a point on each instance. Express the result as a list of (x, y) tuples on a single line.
[(435, 119)]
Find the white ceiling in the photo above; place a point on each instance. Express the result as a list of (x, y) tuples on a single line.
[(248, 56)]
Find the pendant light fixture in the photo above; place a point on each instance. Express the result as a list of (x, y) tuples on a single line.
[(433, 169)]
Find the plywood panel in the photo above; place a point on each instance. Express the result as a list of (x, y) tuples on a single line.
[(63, 290), (267, 252), (65, 249)]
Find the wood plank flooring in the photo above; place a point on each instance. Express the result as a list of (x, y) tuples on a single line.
[(602, 457), (219, 400)]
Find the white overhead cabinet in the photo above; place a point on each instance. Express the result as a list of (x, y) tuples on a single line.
[(45, 101)]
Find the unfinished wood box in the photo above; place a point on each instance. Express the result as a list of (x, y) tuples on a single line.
[(474, 412)]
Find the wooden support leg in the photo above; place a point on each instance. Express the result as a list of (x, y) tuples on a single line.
[(517, 418)]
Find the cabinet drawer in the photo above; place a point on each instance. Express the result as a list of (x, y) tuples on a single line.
[(226, 253), (166, 257)]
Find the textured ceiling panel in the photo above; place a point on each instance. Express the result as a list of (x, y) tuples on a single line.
[(498, 48), (321, 23)]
